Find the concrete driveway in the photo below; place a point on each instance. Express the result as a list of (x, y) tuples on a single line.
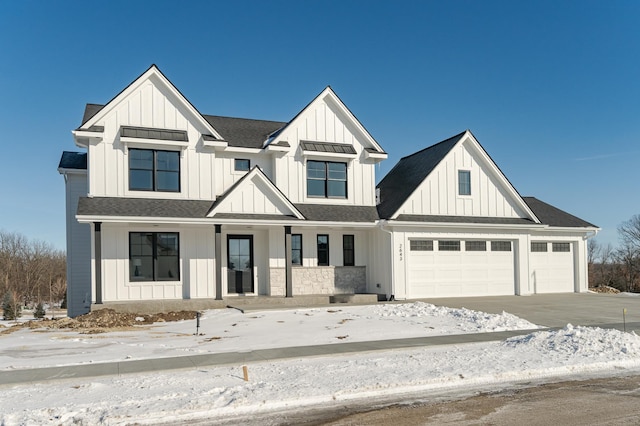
[(556, 310)]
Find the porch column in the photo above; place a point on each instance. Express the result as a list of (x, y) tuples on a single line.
[(287, 261), (218, 249), (97, 241)]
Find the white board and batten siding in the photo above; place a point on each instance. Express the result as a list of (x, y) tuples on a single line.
[(323, 121), (150, 106), (438, 193), (196, 265)]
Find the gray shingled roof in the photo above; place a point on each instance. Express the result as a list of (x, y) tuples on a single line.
[(73, 160), (89, 111), (553, 216), (409, 173), (141, 207), (240, 132), (243, 132), (337, 213), (147, 207)]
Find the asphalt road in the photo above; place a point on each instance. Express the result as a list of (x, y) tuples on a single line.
[(604, 401)]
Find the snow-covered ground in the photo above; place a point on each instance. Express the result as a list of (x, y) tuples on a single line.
[(294, 384)]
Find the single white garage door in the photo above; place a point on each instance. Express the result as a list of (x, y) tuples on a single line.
[(449, 268), (552, 268)]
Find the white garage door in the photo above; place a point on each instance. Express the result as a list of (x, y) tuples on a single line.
[(551, 267), (439, 268)]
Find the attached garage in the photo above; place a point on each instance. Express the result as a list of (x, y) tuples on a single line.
[(449, 268), (552, 267)]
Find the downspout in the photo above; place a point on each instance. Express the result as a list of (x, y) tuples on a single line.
[(381, 224)]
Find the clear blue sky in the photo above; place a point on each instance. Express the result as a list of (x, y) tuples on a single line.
[(549, 88)]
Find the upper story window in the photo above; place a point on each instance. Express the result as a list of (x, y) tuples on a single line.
[(326, 179), (241, 165), (464, 182), (153, 170)]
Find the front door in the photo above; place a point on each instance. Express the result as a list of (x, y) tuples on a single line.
[(240, 264)]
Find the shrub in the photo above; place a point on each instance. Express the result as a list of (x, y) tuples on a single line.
[(39, 312), (10, 307)]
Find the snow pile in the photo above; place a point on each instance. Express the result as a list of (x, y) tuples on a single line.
[(466, 320), (585, 342), (209, 394)]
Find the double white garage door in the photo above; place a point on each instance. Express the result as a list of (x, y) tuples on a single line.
[(438, 268)]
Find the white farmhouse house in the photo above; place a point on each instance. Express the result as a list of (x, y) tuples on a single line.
[(168, 204)]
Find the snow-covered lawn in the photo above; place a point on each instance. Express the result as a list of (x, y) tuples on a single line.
[(221, 392)]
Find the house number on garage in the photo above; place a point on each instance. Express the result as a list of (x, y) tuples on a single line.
[(400, 251)]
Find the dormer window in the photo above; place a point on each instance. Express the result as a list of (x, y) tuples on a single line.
[(154, 170), (464, 182), (326, 179)]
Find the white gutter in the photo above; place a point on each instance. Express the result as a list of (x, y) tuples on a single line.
[(217, 221)]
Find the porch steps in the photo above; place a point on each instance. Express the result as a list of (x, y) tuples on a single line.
[(241, 302)]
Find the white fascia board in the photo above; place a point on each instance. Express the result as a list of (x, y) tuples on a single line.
[(375, 155), (334, 225), (83, 138), (217, 145), (243, 150), (65, 171), (153, 143), (483, 226), (142, 219), (277, 148), (86, 134)]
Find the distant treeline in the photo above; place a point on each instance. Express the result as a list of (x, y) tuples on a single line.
[(32, 271), (617, 267)]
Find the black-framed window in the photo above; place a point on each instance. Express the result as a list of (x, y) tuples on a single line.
[(500, 245), (421, 245), (475, 246), (326, 179), (154, 170), (348, 250), (323, 249), (464, 182), (448, 245), (561, 247), (154, 256), (538, 247), (241, 165), (296, 249)]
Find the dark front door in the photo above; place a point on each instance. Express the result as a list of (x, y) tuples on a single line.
[(240, 264)]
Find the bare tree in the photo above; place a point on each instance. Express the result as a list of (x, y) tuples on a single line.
[(33, 271)]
